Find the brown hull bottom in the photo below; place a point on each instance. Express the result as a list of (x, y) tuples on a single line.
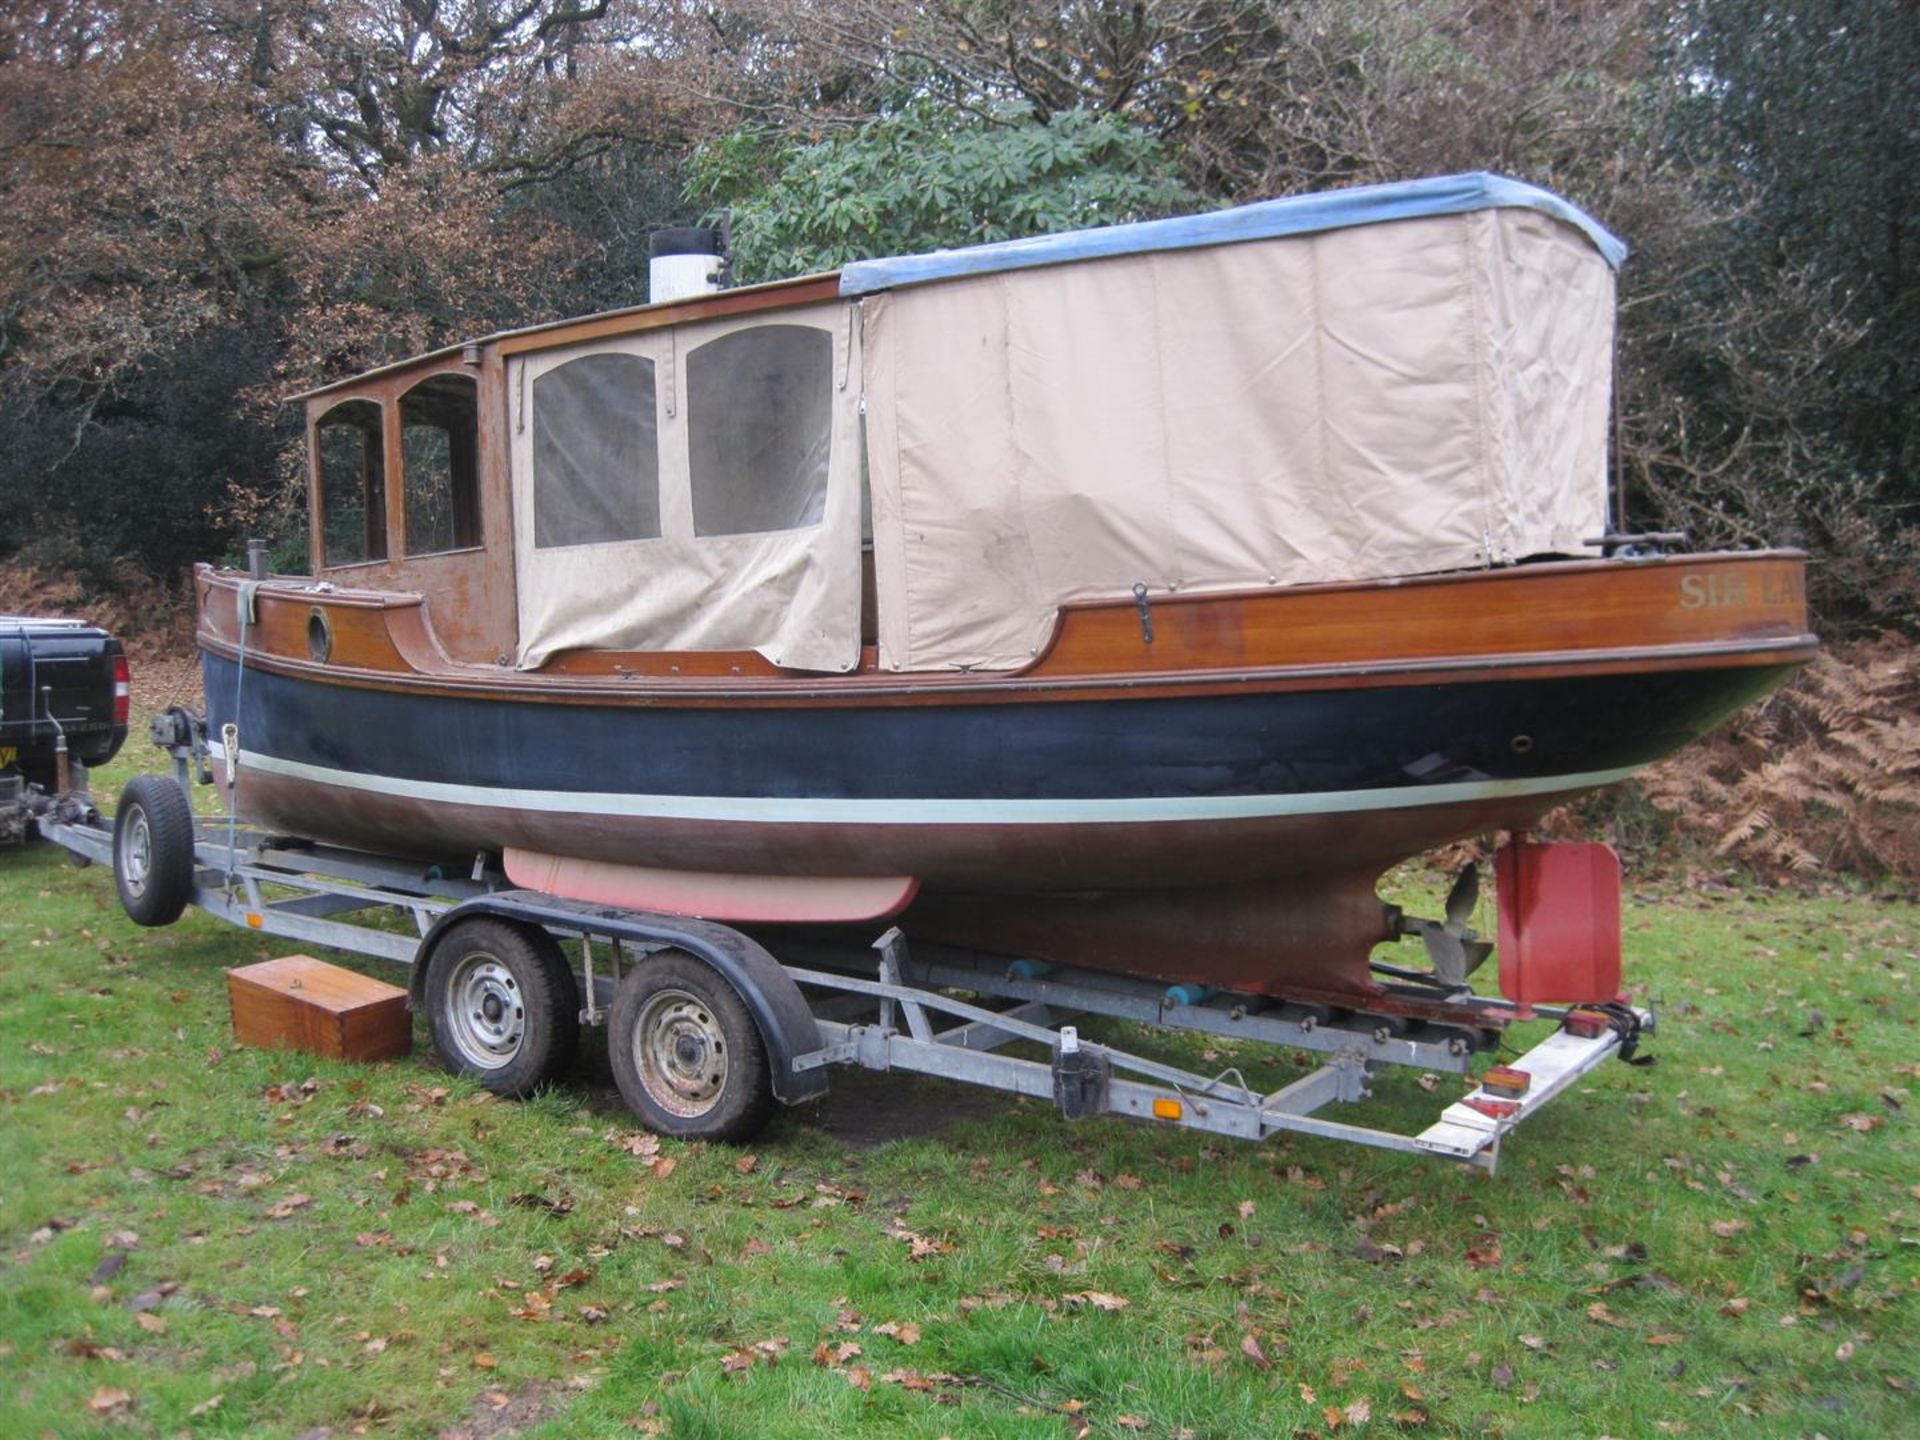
[(1280, 905)]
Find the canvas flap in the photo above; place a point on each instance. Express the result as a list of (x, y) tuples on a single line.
[(1392, 399), (768, 561)]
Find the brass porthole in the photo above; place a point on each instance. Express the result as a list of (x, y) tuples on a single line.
[(319, 636)]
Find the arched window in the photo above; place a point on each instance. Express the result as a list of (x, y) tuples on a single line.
[(596, 452), (759, 429), (353, 484), (439, 444)]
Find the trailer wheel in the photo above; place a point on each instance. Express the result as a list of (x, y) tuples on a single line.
[(502, 1006), (153, 850), (688, 1058)]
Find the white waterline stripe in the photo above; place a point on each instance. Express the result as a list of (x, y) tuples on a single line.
[(776, 810)]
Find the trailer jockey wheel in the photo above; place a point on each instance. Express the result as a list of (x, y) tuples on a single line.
[(688, 1058), (502, 1005), (153, 850)]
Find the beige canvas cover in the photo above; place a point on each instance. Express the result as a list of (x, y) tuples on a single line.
[(1390, 399), (791, 594)]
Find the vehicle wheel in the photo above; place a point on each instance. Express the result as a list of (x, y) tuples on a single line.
[(502, 1005), (153, 850), (687, 1056)]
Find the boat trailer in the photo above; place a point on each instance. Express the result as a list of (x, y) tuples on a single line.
[(709, 1025)]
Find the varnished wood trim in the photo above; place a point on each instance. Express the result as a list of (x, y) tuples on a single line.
[(1582, 617), (975, 689), (783, 295)]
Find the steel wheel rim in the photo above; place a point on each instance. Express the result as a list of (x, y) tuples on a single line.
[(680, 1053), (486, 1011), (136, 852)]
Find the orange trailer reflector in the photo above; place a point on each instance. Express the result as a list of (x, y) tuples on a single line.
[(1166, 1110)]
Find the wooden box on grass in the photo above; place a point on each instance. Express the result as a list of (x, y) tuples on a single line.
[(300, 1003)]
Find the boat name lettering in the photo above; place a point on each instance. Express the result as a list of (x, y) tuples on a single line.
[(1719, 592)]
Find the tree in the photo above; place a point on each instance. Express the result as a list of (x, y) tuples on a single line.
[(927, 177)]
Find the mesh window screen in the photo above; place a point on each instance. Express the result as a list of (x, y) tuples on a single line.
[(353, 489), (439, 426), (596, 457), (759, 426)]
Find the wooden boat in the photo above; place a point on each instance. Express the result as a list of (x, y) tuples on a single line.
[(1131, 599)]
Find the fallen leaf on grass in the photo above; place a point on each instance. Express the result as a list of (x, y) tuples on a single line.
[(1098, 1299), (150, 1323), (90, 1350), (281, 1209), (1502, 1376), (1667, 1338), (860, 1378), (1863, 1122), (1131, 1422), (1250, 1347), (638, 1143), (207, 1406), (1727, 1229), (834, 1356), (663, 1167), (1601, 1315), (106, 1401), (1246, 1209), (919, 1247), (1735, 1307), (746, 1164), (1358, 1413), (538, 1305), (1532, 1342), (906, 1332), (561, 1204)]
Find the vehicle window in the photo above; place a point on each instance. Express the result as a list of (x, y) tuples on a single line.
[(439, 461), (596, 454), (353, 484), (759, 428)]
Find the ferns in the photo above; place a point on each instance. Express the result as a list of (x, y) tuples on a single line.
[(1822, 778)]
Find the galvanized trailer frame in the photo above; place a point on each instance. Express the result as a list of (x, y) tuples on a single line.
[(933, 1011)]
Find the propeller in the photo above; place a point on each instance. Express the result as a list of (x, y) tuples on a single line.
[(1453, 949)]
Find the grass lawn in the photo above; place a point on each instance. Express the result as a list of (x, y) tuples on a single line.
[(206, 1240)]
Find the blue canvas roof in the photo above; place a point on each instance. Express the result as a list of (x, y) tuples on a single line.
[(1295, 215)]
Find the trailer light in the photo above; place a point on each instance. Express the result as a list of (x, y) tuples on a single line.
[(122, 690), (1505, 1080), (1494, 1109), (1588, 1024), (1164, 1109), (255, 920)]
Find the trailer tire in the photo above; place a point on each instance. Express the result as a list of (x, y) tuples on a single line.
[(501, 1005), (686, 1054), (153, 850)]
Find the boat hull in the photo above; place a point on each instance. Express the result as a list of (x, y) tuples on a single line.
[(1110, 794)]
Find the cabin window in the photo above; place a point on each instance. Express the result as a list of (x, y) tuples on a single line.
[(439, 442), (596, 454), (759, 429), (353, 484)]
